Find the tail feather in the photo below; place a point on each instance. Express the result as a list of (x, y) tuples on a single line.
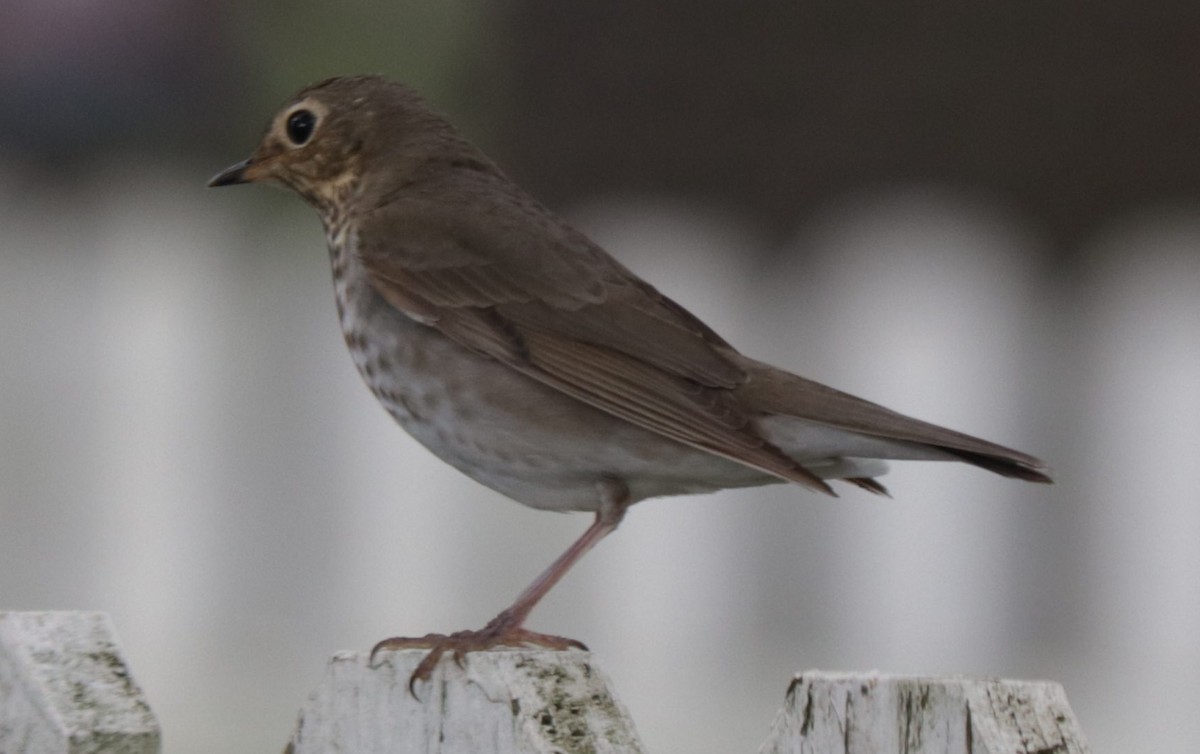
[(780, 395), (869, 484), (1005, 466)]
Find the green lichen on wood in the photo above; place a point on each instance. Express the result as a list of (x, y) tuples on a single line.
[(576, 717)]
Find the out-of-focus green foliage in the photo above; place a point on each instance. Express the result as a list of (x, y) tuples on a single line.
[(287, 45)]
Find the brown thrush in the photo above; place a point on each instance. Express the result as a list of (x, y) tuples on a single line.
[(522, 354)]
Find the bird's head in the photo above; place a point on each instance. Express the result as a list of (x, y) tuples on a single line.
[(319, 142)]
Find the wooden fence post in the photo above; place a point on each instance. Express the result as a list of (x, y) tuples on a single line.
[(507, 701), (849, 713), (65, 689)]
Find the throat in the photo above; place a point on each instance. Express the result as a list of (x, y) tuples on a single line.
[(334, 202), (337, 236)]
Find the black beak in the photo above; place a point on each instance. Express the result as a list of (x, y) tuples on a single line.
[(231, 175)]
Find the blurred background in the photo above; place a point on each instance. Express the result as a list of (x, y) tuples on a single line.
[(986, 215)]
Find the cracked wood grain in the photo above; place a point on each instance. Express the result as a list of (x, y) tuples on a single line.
[(846, 713)]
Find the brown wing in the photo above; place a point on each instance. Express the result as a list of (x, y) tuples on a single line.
[(497, 273)]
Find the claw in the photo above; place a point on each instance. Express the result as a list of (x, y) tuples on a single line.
[(428, 641), (501, 632)]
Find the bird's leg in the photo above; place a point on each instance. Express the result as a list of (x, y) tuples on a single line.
[(612, 510), (507, 628)]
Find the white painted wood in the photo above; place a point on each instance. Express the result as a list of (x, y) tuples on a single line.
[(862, 713), (64, 688), (509, 701)]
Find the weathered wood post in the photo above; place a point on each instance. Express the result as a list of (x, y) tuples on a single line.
[(509, 701), (65, 689), (864, 713)]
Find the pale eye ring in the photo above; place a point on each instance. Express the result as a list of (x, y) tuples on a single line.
[(300, 126)]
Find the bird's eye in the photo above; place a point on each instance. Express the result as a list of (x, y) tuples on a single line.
[(300, 125)]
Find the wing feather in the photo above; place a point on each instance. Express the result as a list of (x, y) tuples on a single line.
[(701, 416), (484, 244)]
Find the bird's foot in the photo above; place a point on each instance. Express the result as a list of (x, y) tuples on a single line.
[(504, 630)]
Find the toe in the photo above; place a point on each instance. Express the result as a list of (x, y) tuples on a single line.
[(428, 641), (499, 633)]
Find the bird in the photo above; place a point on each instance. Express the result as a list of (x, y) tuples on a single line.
[(520, 352)]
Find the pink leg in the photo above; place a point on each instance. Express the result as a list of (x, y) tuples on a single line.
[(607, 520), (506, 629)]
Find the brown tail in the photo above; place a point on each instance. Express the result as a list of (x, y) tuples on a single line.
[(774, 391), (1015, 467)]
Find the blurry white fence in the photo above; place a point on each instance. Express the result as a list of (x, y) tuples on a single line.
[(185, 444)]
